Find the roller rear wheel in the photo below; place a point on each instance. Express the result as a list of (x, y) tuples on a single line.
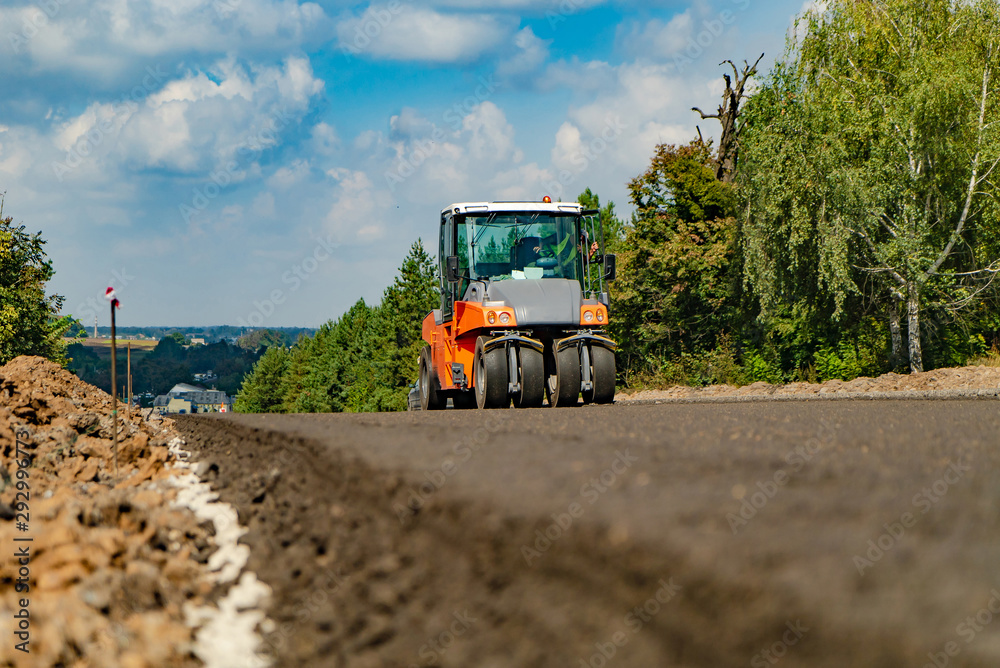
[(491, 376), (602, 376), (532, 366), (564, 385)]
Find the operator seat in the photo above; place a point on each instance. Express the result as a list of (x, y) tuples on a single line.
[(523, 254)]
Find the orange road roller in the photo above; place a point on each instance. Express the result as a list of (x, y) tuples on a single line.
[(524, 309)]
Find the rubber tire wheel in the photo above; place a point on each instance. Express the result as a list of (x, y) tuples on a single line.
[(602, 376), (430, 398), (532, 379), (564, 386), (491, 376)]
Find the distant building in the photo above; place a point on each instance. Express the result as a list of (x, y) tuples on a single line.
[(207, 377), (184, 398), (197, 342)]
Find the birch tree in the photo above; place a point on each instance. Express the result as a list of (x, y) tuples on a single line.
[(870, 161)]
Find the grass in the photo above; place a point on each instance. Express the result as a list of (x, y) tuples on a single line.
[(992, 358), (102, 347), (142, 344)]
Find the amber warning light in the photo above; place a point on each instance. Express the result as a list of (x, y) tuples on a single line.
[(547, 200)]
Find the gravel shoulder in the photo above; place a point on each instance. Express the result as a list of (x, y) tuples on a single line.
[(964, 382), (107, 564)]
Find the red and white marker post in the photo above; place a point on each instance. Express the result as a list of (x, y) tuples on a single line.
[(109, 294)]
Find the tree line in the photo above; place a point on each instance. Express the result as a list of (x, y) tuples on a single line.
[(364, 361), (172, 361), (848, 224)]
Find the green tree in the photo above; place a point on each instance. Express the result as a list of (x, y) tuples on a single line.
[(674, 292), (364, 361), (261, 389), (614, 227), (262, 338), (397, 334), (868, 161), (29, 320)]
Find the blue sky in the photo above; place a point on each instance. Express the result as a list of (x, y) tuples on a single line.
[(268, 163)]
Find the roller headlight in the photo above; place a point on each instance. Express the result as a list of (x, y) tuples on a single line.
[(588, 316), (504, 318)]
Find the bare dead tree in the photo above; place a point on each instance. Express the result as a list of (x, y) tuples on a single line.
[(728, 115)]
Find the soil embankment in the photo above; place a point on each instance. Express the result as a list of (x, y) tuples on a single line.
[(105, 561)]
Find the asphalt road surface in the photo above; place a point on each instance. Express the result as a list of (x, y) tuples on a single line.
[(848, 533)]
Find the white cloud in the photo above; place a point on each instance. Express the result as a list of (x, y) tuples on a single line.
[(263, 205), (107, 39), (656, 38), (358, 212), (491, 136), (289, 176), (406, 32), (610, 138), (530, 55), (324, 140), (204, 122)]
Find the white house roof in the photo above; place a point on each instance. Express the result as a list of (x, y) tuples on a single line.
[(516, 207), (181, 388)]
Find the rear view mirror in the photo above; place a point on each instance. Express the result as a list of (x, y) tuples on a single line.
[(610, 267), (452, 268)]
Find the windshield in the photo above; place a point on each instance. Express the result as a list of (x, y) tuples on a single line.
[(526, 246)]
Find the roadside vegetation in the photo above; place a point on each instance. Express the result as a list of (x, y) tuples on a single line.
[(364, 361), (857, 231), (29, 319), (171, 361)]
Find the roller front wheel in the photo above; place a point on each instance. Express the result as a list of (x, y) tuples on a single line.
[(491, 376)]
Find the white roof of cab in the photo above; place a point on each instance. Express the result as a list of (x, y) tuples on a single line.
[(517, 207)]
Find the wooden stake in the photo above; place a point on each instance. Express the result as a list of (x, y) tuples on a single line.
[(114, 391), (129, 380)]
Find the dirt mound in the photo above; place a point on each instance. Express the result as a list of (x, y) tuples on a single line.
[(962, 379), (110, 563)]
